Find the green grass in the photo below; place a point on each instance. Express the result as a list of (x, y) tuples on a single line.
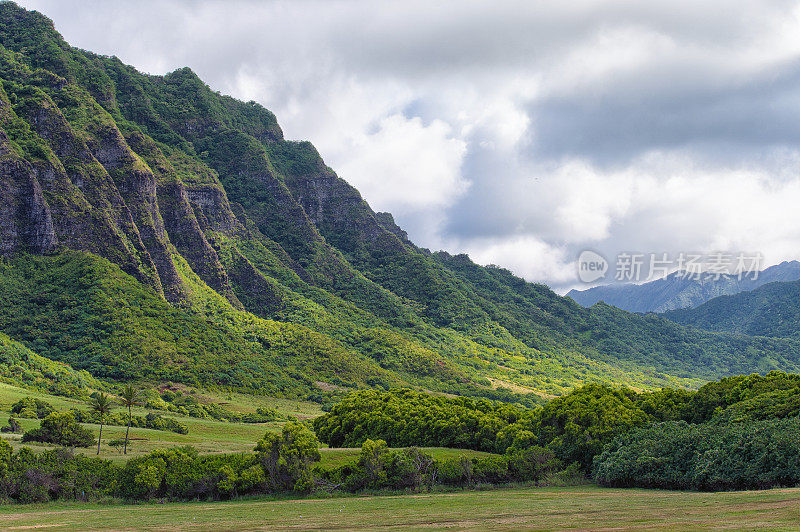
[(584, 507), (206, 435)]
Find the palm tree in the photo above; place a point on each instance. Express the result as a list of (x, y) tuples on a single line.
[(129, 397), (100, 404)]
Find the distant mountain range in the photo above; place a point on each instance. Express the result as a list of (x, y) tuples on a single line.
[(770, 310), (677, 291)]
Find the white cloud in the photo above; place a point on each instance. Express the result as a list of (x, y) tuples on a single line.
[(525, 255), (406, 166)]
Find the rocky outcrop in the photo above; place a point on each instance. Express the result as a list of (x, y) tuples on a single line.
[(181, 226), (212, 207), (87, 211), (387, 221), (26, 223), (337, 209)]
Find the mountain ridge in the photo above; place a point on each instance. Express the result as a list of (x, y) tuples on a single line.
[(771, 310), (158, 191), (677, 290)]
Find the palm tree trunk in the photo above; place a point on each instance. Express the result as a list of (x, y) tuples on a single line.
[(127, 430), (101, 436)]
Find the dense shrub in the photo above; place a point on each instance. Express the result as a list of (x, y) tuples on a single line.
[(262, 415), (56, 474), (679, 455), (577, 425), (287, 457), (180, 473), (574, 428), (405, 418), (28, 407), (61, 428)]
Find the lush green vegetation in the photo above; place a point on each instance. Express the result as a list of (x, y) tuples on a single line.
[(668, 439), (203, 254), (60, 428), (151, 421), (19, 365), (577, 427), (405, 418), (232, 257), (283, 462), (713, 456)]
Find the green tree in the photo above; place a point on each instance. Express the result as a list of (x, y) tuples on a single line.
[(269, 454), (287, 457), (372, 459), (101, 405), (130, 397)]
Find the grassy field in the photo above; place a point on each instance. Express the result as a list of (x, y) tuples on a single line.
[(206, 435), (583, 508)]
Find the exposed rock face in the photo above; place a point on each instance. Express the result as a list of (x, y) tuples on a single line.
[(25, 220), (87, 211), (187, 236), (181, 226), (338, 210), (212, 207)]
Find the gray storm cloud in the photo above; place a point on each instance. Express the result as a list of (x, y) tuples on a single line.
[(521, 133)]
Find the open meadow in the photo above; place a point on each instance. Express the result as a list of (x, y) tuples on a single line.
[(577, 508), (208, 436)]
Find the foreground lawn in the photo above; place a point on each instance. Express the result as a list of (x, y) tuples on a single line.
[(513, 509)]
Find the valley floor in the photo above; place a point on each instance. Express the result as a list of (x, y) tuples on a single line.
[(578, 508)]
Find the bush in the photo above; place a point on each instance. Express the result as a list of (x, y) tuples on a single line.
[(679, 455), (56, 474), (531, 464), (180, 473), (61, 428), (492, 470), (262, 415), (404, 417), (27, 407)]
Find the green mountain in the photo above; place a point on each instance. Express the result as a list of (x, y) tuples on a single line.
[(771, 310), (153, 229)]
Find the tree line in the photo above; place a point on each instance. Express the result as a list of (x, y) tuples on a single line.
[(284, 462), (578, 427)]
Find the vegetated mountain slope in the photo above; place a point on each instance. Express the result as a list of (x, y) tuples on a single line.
[(677, 291), (771, 310), (186, 239)]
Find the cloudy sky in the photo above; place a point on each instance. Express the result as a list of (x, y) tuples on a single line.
[(521, 132)]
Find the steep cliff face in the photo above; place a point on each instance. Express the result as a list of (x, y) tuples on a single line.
[(25, 220)]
